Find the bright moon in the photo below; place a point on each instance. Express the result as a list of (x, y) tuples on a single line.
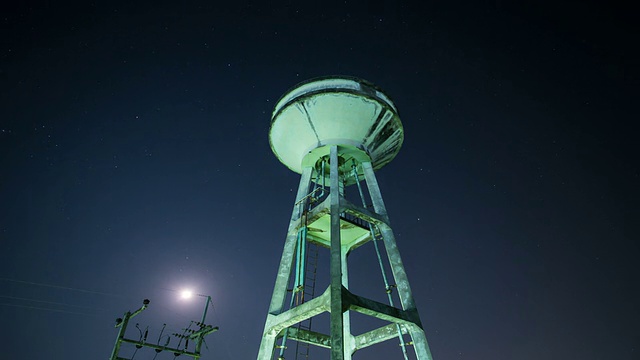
[(186, 294)]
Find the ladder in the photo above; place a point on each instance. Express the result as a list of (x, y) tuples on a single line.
[(302, 349)]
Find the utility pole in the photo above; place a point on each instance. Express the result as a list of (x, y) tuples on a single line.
[(193, 335)]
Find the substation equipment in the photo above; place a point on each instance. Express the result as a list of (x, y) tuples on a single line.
[(163, 343), (335, 132)]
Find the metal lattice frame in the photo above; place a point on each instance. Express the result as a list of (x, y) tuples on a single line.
[(337, 299)]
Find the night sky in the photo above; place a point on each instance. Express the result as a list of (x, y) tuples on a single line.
[(134, 162)]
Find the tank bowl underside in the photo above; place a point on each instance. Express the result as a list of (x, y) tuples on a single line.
[(335, 111)]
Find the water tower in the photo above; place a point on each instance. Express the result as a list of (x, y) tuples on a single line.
[(335, 132)]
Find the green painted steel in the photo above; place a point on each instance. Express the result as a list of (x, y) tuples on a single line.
[(387, 287), (340, 110), (335, 265), (338, 131)]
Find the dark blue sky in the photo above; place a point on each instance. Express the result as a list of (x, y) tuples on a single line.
[(135, 161)]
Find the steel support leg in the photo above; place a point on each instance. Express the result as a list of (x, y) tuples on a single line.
[(349, 341), (284, 270), (337, 300), (397, 268), (337, 334)]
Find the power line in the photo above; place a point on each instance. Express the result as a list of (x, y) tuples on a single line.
[(62, 287), (47, 309), (50, 302)]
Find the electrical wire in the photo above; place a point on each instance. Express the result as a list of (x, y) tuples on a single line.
[(183, 316), (50, 302), (134, 354), (224, 343), (184, 333), (62, 287), (47, 309)]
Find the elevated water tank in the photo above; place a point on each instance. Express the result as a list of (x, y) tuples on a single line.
[(336, 110)]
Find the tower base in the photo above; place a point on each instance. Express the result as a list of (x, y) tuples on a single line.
[(336, 299)]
